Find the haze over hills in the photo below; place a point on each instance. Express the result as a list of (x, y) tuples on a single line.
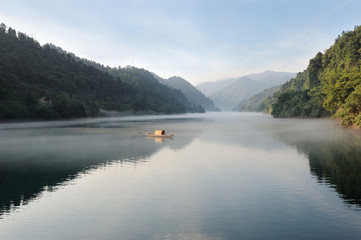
[(271, 77), (234, 91), (46, 82), (193, 95), (228, 98), (258, 102), (209, 88)]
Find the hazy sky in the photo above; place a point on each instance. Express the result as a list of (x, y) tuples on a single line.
[(199, 40)]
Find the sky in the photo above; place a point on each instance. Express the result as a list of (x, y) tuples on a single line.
[(199, 40)]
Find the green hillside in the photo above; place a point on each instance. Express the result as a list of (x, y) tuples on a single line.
[(330, 86), (40, 82)]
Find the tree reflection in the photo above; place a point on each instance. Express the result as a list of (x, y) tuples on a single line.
[(334, 156), (338, 164), (36, 160)]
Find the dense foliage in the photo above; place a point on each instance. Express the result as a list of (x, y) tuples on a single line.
[(294, 99), (39, 82), (331, 84)]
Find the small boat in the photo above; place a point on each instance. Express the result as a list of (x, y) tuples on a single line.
[(159, 133)]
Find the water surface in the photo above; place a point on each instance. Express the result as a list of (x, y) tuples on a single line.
[(222, 176)]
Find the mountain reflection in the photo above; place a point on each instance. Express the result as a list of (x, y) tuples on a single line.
[(40, 159), (334, 155)]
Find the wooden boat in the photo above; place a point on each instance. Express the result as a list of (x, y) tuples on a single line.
[(159, 134)]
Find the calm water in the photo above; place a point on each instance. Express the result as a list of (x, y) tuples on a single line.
[(222, 176)]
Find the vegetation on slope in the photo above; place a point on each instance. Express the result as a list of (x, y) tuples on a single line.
[(331, 84), (39, 82)]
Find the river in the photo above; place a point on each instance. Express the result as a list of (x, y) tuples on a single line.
[(222, 176)]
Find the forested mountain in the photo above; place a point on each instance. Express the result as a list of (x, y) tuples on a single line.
[(192, 106), (245, 87), (331, 84), (40, 82), (195, 96)]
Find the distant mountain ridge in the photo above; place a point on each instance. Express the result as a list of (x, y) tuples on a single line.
[(209, 88), (193, 95), (229, 97), (234, 91)]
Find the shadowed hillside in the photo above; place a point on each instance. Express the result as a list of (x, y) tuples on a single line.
[(42, 82)]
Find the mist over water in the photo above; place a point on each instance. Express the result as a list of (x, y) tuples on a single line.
[(222, 176)]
